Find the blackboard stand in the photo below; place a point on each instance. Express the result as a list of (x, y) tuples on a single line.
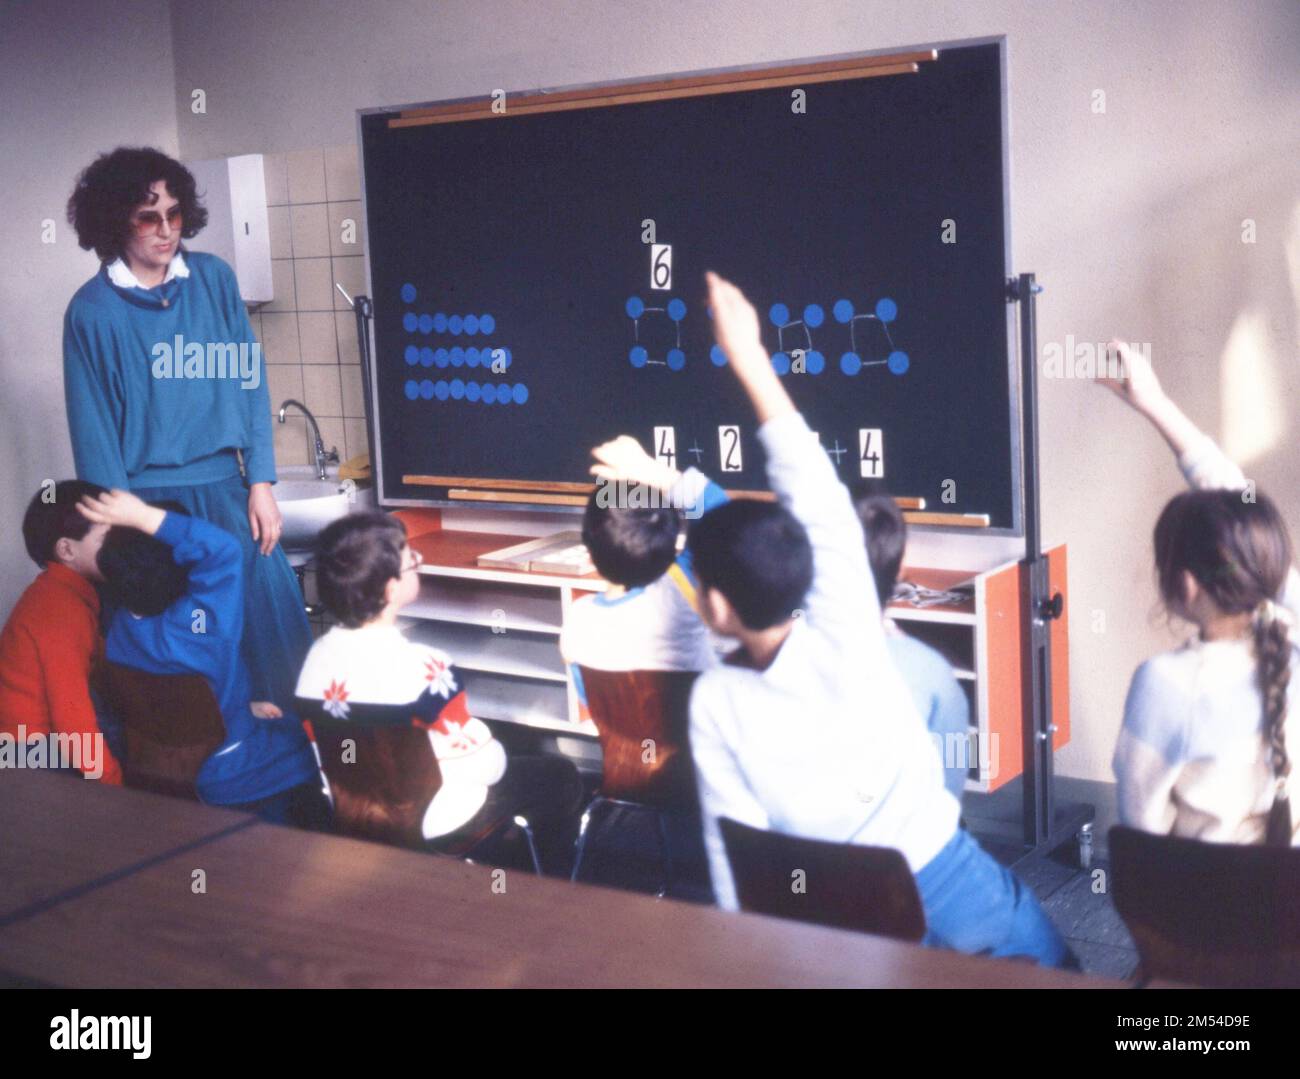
[(1045, 826)]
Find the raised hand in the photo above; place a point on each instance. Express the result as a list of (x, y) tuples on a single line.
[(1135, 383), (121, 508), (624, 460)]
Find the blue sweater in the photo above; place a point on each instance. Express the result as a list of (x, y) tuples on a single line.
[(132, 427), (260, 757)]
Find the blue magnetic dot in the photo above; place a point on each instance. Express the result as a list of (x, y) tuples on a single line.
[(409, 322), (781, 362), (457, 357), (408, 293), (850, 363), (503, 392), (520, 393), (471, 357), (676, 359), (412, 389), (426, 389), (471, 324), (455, 324), (816, 362), (676, 310), (899, 363), (412, 355), (440, 323), (486, 324), (843, 310), (779, 314), (441, 357), (634, 307), (489, 393), (718, 357), (886, 310), (472, 391), (426, 323), (426, 357), (441, 390), (814, 315), (457, 389), (638, 356)]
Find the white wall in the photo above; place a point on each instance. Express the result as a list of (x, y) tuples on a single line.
[(1131, 218), (76, 79)]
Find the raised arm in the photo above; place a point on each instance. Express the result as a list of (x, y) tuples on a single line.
[(1203, 463), (843, 595), (211, 554)]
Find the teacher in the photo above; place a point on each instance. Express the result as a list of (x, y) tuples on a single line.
[(166, 390)]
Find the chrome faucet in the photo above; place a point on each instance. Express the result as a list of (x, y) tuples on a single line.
[(322, 458)]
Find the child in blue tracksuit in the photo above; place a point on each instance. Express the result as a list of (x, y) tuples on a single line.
[(178, 581)]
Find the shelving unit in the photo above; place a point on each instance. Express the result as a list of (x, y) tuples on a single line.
[(502, 628)]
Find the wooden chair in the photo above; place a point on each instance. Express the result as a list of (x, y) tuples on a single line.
[(383, 781), (642, 720), (869, 889), (1211, 914), (171, 723)]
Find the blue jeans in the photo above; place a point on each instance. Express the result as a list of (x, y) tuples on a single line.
[(975, 905)]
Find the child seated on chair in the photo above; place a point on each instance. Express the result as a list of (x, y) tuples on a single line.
[(646, 618), (51, 643), (1205, 750), (809, 729), (366, 670), (178, 583), (929, 677)]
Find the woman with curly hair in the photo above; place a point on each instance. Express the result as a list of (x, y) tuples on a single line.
[(148, 408)]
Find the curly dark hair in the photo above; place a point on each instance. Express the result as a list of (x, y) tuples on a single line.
[(116, 183)]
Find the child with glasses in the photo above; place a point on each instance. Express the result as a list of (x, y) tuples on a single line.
[(365, 670)]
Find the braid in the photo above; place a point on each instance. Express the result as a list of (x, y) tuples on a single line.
[(1273, 671)]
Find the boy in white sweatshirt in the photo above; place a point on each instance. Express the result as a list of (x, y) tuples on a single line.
[(809, 730)]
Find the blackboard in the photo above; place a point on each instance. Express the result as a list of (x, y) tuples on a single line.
[(516, 322)]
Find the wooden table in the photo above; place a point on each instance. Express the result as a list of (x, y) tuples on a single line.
[(284, 908), (60, 834)]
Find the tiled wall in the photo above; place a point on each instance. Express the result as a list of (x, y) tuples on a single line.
[(308, 332)]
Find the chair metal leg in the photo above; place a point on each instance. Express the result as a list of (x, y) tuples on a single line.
[(527, 829), (519, 821), (667, 852), (580, 844)]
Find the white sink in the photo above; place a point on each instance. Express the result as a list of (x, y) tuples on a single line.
[(308, 504)]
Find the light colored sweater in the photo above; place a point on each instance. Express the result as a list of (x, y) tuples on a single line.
[(1191, 759), (826, 743)]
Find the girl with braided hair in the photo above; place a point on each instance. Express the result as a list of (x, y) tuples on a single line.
[(1205, 751)]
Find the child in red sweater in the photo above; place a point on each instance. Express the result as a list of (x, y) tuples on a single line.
[(52, 642)]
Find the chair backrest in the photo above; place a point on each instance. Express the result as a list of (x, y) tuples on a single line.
[(1210, 914), (171, 723), (642, 719), (381, 777), (869, 889)]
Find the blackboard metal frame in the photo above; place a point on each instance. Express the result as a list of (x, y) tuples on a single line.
[(1014, 383)]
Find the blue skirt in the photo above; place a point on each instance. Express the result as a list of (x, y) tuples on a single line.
[(276, 633)]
